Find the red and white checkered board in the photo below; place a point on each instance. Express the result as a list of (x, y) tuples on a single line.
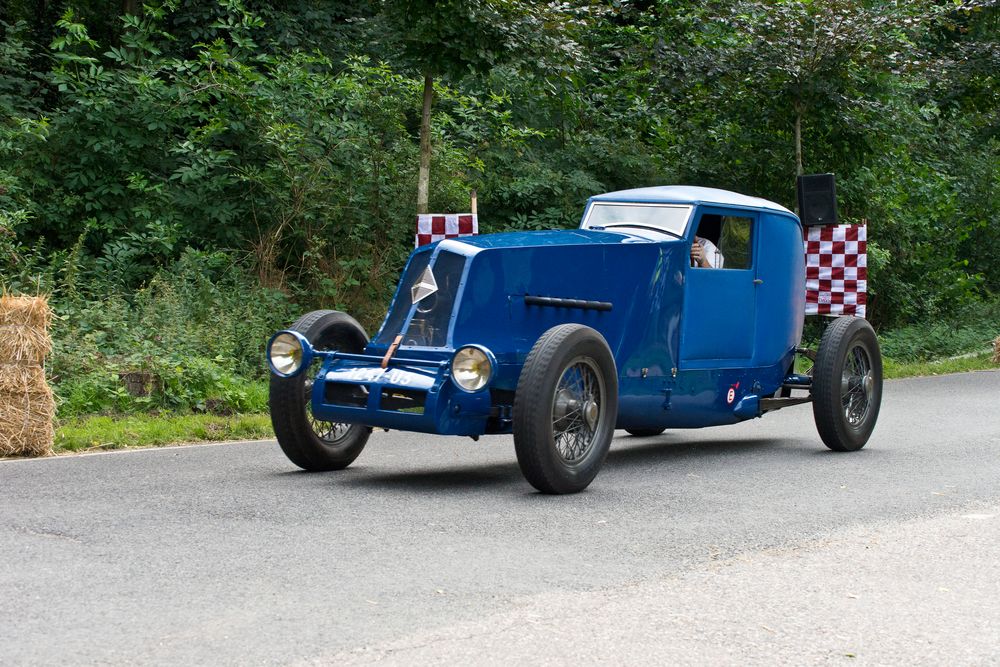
[(433, 227), (836, 270)]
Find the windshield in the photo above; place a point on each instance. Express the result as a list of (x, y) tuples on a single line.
[(666, 218), (429, 325), (401, 307), (432, 313)]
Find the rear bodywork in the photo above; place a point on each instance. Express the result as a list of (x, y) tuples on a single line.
[(693, 347)]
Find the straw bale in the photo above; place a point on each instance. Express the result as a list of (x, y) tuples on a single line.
[(26, 405), (29, 311), (26, 423), (21, 379), (23, 344)]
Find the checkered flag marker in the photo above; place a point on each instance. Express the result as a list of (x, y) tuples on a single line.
[(433, 227), (836, 270)]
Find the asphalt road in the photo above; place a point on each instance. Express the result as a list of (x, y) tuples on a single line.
[(734, 545)]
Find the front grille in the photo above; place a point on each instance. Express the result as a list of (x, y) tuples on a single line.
[(343, 393), (403, 400), (501, 397), (501, 411)]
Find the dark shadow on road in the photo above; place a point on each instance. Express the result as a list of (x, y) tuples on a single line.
[(644, 451), (664, 448), (671, 448), (467, 478), (625, 453)]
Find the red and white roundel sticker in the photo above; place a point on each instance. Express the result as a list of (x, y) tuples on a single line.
[(731, 396)]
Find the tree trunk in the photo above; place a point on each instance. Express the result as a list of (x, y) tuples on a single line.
[(424, 175), (131, 7), (798, 141)]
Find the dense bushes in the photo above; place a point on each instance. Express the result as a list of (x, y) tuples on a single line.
[(186, 179), (971, 331), (194, 335)]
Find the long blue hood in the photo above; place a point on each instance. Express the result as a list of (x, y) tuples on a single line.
[(560, 237), (637, 280)]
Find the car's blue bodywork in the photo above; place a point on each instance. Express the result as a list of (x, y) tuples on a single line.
[(692, 346)]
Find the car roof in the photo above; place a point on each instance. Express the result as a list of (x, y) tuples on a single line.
[(690, 194)]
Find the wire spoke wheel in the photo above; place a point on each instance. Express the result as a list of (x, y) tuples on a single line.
[(856, 386), (330, 433), (576, 409)]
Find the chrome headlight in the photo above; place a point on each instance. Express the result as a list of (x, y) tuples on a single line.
[(288, 353), (471, 368)]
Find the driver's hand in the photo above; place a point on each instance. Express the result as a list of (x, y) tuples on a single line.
[(697, 254)]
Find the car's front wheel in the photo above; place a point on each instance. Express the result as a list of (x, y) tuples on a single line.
[(309, 443), (565, 409)]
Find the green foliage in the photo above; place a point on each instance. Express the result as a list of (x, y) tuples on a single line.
[(455, 36), (962, 364), (305, 166), (15, 79), (197, 329), (185, 177), (972, 331)]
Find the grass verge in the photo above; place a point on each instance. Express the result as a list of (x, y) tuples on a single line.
[(905, 369), (892, 369), (99, 433)]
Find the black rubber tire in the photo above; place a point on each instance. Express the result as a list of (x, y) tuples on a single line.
[(842, 338), (537, 454), (644, 432), (288, 399)]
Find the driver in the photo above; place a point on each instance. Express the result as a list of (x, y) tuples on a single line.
[(705, 254)]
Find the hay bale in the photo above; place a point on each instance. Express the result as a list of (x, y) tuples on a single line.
[(22, 379), (24, 327), (26, 423), (27, 408), (20, 344), (25, 311)]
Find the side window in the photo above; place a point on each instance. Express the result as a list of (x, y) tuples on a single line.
[(731, 235), (735, 241)]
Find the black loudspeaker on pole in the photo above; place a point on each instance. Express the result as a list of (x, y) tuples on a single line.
[(817, 200)]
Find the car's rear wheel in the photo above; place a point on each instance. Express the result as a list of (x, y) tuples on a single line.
[(847, 384), (644, 432), (565, 409), (308, 442)]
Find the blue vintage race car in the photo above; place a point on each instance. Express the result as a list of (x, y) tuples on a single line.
[(669, 307)]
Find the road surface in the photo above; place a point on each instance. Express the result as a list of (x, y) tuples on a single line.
[(748, 544)]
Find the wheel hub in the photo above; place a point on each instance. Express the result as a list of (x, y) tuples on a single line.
[(576, 409), (857, 386), (565, 404), (591, 413)]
